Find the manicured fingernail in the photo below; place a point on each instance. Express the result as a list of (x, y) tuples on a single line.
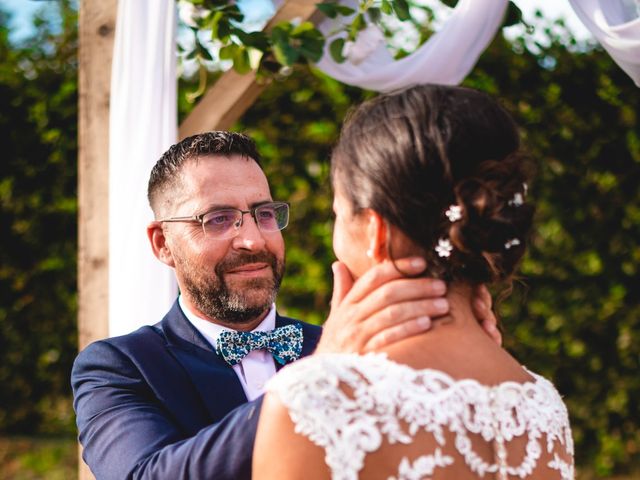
[(480, 305), (441, 304), (424, 322), (418, 263), (439, 288)]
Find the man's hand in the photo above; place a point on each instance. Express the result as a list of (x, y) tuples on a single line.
[(381, 307), (384, 307), (481, 306)]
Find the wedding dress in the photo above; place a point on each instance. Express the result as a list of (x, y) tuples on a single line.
[(356, 407)]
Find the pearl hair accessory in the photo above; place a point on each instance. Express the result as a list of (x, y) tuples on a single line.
[(511, 243), (444, 247), (454, 213), (518, 198)]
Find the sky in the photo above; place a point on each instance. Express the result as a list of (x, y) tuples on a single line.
[(23, 10)]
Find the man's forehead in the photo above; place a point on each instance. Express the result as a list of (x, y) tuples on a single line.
[(220, 163), (221, 179)]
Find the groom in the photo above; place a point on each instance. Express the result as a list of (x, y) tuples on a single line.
[(181, 399)]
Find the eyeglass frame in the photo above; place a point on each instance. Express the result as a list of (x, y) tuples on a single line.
[(199, 218)]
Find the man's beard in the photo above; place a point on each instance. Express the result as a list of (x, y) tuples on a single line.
[(213, 297)]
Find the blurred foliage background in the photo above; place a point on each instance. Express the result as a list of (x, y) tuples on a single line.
[(574, 317)]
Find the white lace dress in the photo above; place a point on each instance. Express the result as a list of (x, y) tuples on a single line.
[(351, 405)]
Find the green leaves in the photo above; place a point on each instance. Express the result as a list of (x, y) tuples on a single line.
[(239, 54), (358, 24), (38, 224), (513, 15), (286, 44), (290, 43), (284, 52), (335, 49), (333, 9), (401, 8)]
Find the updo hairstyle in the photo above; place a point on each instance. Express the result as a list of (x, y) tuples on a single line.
[(411, 155)]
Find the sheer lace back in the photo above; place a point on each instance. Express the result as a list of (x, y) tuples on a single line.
[(368, 410)]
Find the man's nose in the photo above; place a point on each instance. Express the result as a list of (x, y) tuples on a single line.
[(249, 235)]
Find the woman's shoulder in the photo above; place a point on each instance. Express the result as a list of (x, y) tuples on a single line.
[(332, 397), (333, 379)]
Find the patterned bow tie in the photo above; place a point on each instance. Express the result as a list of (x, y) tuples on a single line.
[(284, 343)]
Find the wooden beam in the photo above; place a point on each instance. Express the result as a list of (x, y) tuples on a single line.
[(97, 22), (226, 101)]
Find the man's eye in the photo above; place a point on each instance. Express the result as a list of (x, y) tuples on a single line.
[(266, 213), (221, 218)]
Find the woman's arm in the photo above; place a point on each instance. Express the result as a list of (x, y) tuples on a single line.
[(279, 452)]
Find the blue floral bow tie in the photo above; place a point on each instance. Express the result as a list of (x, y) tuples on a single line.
[(284, 343)]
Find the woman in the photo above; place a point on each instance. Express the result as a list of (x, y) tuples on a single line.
[(433, 171)]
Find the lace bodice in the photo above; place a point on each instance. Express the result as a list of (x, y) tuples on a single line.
[(351, 405)]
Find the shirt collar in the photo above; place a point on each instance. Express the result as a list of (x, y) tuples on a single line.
[(211, 331)]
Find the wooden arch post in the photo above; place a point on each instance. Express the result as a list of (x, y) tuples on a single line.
[(222, 105)]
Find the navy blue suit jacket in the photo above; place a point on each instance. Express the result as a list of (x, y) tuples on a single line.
[(159, 403)]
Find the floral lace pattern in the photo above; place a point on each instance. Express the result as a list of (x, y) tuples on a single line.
[(393, 402)]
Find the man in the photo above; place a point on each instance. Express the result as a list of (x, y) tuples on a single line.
[(181, 399)]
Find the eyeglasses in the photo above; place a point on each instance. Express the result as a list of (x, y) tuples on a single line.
[(226, 222)]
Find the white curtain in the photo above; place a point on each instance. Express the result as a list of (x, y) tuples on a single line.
[(447, 57), (143, 124), (616, 25)]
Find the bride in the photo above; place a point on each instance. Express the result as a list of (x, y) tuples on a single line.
[(434, 171)]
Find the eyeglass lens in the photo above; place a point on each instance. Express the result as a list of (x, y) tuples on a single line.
[(270, 217)]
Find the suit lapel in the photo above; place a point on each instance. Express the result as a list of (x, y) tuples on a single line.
[(214, 379)]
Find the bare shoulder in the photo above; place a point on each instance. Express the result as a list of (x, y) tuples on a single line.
[(297, 457)]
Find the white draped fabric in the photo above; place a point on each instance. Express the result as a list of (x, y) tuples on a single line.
[(142, 125), (616, 25), (447, 57)]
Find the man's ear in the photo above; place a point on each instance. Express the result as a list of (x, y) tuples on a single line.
[(159, 243), (378, 236)]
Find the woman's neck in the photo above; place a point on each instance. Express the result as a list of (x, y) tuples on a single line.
[(458, 345), (460, 314)]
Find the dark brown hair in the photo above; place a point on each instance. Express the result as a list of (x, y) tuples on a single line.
[(412, 154), (166, 170)]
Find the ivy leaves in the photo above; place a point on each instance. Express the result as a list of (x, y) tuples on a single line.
[(285, 44), (279, 47)]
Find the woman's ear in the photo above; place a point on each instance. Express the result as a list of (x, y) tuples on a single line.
[(377, 234), (158, 242)]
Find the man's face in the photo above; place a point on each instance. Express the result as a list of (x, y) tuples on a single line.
[(232, 281)]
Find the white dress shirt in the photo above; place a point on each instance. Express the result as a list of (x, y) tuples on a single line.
[(257, 367)]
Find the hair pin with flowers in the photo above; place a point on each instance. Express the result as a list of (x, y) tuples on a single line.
[(454, 213), (444, 247), (518, 198), (511, 243)]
